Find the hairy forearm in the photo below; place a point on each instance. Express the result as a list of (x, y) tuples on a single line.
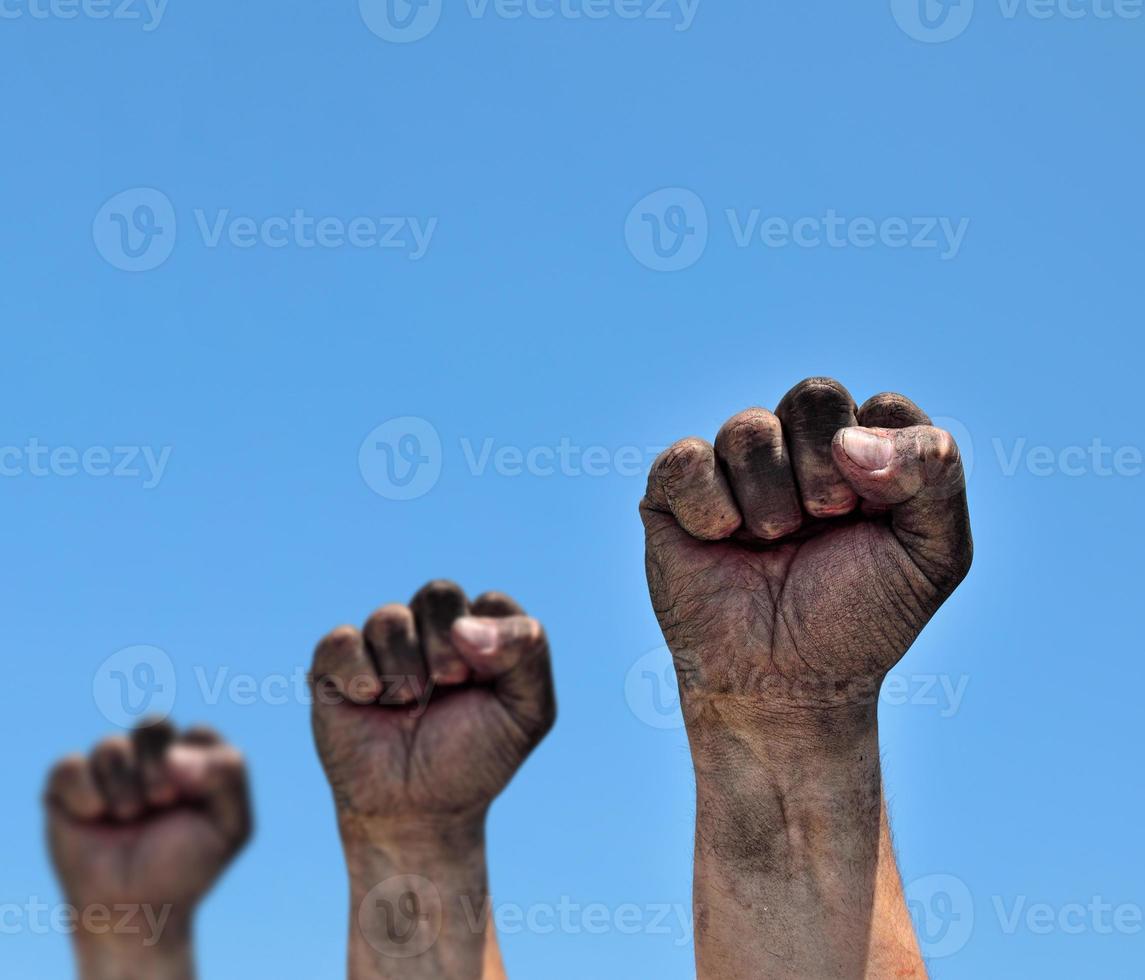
[(419, 903), (794, 874)]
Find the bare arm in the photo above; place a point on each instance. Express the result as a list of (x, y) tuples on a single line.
[(421, 719), (139, 833), (791, 565)]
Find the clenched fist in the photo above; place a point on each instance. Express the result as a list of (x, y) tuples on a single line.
[(793, 563), (145, 826), (421, 718), (429, 709)]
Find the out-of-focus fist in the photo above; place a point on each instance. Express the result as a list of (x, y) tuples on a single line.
[(147, 820), (792, 563), (429, 709)]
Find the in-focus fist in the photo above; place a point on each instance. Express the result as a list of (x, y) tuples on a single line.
[(427, 711), (150, 820), (792, 563)]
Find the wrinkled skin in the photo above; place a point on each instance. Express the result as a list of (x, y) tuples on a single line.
[(413, 723), (791, 564), (778, 589)]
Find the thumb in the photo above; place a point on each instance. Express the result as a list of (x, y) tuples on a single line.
[(917, 474), (214, 776), (512, 653)]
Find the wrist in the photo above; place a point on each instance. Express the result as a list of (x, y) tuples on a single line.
[(419, 904), (151, 945), (763, 733)]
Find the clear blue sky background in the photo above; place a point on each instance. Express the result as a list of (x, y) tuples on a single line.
[(531, 319)]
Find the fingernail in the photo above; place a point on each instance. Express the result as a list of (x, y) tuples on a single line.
[(868, 450), (477, 634)]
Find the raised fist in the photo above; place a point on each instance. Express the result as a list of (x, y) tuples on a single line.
[(430, 709), (793, 563), (147, 822)]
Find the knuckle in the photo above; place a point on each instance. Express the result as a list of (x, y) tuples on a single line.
[(812, 394), (339, 642), (941, 451), (114, 746), (438, 590), (680, 459), (65, 771), (390, 620), (749, 429)]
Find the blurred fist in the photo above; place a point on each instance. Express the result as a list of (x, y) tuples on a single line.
[(792, 563), (430, 708), (147, 820)]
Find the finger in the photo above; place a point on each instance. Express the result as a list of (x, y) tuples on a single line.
[(811, 413), (342, 669), (890, 410), (215, 778), (687, 482), (200, 735), (435, 607), (72, 788), (117, 776), (392, 641), (495, 604), (751, 448), (513, 653), (151, 741), (917, 473)]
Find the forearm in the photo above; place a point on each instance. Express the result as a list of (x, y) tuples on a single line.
[(794, 872), (419, 903), (120, 957)]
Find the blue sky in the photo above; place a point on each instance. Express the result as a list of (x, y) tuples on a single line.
[(241, 239)]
